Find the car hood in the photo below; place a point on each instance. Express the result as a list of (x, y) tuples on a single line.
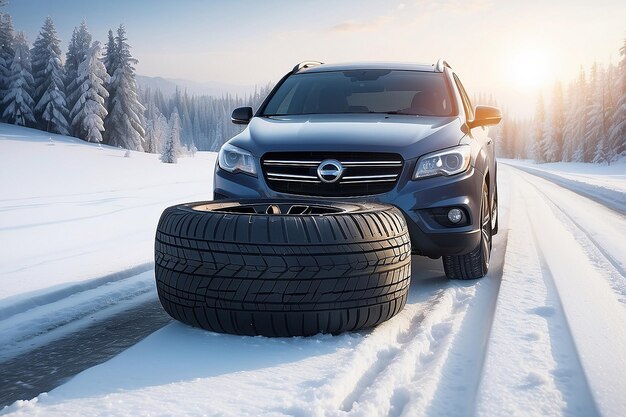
[(409, 136)]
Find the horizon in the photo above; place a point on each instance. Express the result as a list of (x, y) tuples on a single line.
[(203, 43)]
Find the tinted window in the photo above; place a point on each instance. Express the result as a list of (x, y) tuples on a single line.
[(363, 91)]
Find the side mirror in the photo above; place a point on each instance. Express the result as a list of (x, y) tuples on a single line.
[(486, 116), (241, 115)]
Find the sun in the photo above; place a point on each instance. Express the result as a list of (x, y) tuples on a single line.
[(529, 68)]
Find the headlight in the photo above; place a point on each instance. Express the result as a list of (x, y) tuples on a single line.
[(447, 162), (233, 159)]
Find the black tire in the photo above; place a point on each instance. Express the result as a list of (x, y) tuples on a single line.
[(233, 268), (475, 264), (495, 218)]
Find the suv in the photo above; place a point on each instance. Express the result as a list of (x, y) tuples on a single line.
[(400, 134)]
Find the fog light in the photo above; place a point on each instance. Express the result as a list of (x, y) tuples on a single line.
[(455, 215)]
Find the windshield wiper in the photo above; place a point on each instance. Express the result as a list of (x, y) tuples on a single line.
[(400, 112)]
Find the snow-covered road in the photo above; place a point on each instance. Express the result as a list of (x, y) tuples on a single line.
[(542, 335)]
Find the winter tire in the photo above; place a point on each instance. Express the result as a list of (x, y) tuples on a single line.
[(476, 263), (282, 268)]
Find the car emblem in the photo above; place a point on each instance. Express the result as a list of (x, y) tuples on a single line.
[(330, 170)]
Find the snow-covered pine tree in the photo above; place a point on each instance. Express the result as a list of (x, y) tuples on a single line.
[(596, 130), (548, 141), (501, 133), (156, 128), (18, 103), (558, 121), (617, 130), (76, 53), (124, 123), (6, 53), (51, 106), (568, 130), (580, 117), (539, 124), (110, 54), (89, 112), (171, 147)]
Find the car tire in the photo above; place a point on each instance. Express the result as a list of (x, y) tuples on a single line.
[(475, 264), (282, 268), (495, 218)]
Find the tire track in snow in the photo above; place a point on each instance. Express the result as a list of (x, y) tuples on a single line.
[(49, 297), (532, 368), (607, 264), (611, 259), (611, 199), (592, 311), (386, 356), (426, 361), (398, 368), (33, 325)]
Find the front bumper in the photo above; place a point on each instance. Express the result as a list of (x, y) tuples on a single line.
[(416, 199)]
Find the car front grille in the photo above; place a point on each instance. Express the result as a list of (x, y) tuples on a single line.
[(364, 173)]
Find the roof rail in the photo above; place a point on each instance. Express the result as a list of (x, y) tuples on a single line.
[(306, 64), (441, 64)]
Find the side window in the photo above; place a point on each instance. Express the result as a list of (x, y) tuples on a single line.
[(469, 109)]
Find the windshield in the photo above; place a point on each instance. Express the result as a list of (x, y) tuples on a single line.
[(362, 91)]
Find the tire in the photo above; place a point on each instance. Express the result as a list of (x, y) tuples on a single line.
[(231, 267), (495, 218), (475, 264)]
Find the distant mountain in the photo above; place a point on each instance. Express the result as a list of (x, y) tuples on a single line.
[(168, 86)]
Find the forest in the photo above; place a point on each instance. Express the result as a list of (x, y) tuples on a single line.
[(584, 121), (91, 92)]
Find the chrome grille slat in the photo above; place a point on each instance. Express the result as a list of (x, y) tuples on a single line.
[(364, 173), (368, 181), (291, 163), (372, 163), (296, 180), (370, 177), (304, 177)]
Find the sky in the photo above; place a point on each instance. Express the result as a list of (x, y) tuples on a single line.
[(511, 49)]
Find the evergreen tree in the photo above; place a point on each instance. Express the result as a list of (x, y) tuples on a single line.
[(209, 117), (596, 130), (171, 147), (539, 123), (156, 129), (124, 123), (6, 53), (558, 121), (579, 117), (18, 103), (569, 145), (51, 107), (76, 54), (548, 142), (617, 130), (110, 54), (89, 112)]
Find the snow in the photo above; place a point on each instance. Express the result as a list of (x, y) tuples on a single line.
[(541, 335), (74, 212), (611, 177)]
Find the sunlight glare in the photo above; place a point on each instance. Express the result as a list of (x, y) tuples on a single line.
[(529, 68)]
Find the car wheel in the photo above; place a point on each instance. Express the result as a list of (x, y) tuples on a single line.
[(494, 214), (476, 263), (282, 268)]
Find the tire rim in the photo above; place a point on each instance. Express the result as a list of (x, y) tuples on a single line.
[(485, 231), (275, 208)]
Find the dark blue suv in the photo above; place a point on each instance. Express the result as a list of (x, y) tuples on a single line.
[(400, 134)]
